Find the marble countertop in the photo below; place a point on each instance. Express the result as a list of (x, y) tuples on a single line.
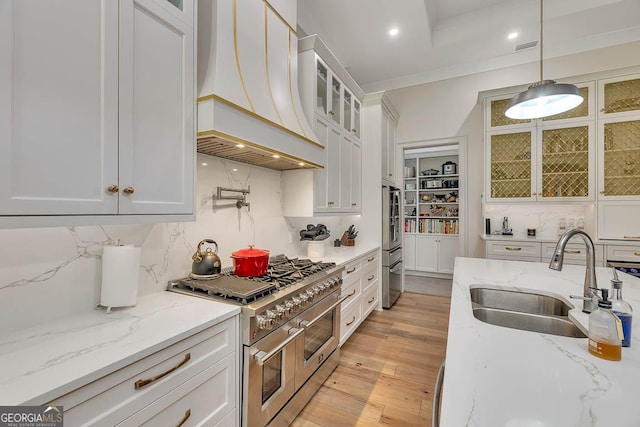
[(342, 254), (497, 376), (47, 361), (523, 238)]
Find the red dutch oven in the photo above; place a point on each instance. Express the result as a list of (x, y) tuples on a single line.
[(250, 262)]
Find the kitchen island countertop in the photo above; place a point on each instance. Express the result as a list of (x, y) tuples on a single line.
[(497, 376), (44, 362)]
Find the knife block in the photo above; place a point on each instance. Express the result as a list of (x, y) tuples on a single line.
[(346, 241)]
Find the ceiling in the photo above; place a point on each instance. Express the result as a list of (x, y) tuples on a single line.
[(440, 39)]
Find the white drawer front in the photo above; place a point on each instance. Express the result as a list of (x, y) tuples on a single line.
[(350, 318), (370, 260), (623, 253), (111, 399), (204, 400), (573, 252), (498, 250), (369, 277), (369, 299), (352, 288), (352, 269)]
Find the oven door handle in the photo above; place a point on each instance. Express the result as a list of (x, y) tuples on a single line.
[(261, 356), (309, 323)]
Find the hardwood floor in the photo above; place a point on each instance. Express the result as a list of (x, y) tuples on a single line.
[(387, 369)]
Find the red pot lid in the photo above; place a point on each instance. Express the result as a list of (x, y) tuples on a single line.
[(249, 252)]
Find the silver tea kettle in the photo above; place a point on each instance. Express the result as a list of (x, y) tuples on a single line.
[(207, 263)]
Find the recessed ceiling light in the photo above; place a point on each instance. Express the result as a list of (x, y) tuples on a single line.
[(301, 164), (204, 164), (513, 35), (240, 145), (275, 156), (234, 170), (393, 32)]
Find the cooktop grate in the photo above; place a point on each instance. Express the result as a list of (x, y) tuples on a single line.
[(281, 272)]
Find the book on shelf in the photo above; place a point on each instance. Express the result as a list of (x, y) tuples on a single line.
[(431, 226)]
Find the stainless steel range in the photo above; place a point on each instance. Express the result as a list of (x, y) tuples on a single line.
[(290, 329)]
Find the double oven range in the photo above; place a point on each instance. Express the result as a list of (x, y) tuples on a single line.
[(290, 329)]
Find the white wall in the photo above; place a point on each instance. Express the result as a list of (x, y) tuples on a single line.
[(450, 108), (46, 273)]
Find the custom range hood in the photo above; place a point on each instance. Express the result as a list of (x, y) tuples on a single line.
[(249, 108)]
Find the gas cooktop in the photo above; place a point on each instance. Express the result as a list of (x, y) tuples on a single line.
[(281, 272)]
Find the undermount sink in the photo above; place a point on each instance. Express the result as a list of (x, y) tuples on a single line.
[(524, 310)]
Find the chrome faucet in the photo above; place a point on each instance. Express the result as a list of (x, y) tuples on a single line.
[(590, 285)]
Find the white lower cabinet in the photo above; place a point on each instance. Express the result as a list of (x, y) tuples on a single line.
[(204, 400), (574, 253), (197, 377), (521, 250), (431, 254), (514, 250), (360, 279)]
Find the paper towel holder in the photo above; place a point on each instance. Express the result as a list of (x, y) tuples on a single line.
[(120, 276)]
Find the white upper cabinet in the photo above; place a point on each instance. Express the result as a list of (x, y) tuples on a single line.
[(550, 159), (334, 109), (59, 107), (157, 123), (99, 117)]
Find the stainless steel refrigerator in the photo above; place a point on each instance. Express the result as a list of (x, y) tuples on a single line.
[(391, 246)]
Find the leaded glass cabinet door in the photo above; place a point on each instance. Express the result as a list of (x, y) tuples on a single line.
[(566, 162), (620, 159), (495, 118), (511, 160), (619, 138)]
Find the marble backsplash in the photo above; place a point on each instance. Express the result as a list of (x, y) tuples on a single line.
[(545, 218), (47, 273)]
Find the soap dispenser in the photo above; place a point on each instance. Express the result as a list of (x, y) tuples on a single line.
[(621, 308), (605, 331)]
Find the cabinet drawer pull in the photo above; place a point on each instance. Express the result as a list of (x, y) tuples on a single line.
[(128, 190), (352, 320), (331, 113), (351, 270), (632, 237), (371, 300), (330, 203), (352, 293), (112, 189), (354, 204), (571, 252), (185, 418), (513, 249), (370, 278), (141, 383), (636, 253), (371, 259)]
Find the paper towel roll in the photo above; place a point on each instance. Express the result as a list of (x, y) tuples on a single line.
[(120, 276)]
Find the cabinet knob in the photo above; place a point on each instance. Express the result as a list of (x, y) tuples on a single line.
[(353, 130), (390, 174), (128, 191), (112, 189), (330, 203), (331, 113)]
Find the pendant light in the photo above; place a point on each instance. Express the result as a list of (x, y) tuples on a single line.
[(543, 98)]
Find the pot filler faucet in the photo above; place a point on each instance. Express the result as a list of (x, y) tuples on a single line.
[(590, 285)]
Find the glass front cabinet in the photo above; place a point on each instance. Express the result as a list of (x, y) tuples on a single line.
[(619, 131), (548, 159)]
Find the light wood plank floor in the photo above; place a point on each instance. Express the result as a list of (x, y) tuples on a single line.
[(387, 369)]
